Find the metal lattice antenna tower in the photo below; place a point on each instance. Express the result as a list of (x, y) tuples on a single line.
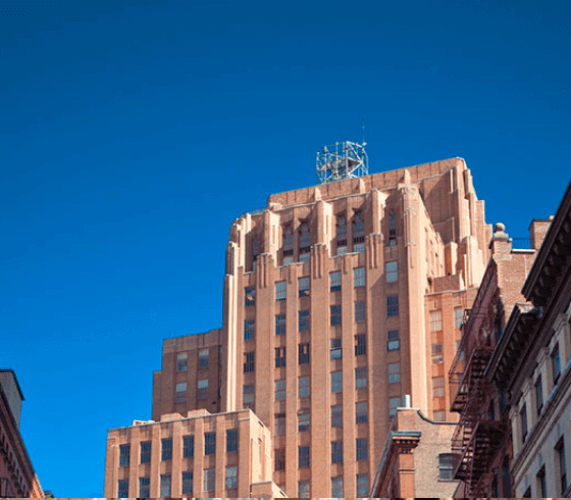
[(341, 161)]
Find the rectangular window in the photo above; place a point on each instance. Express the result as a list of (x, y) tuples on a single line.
[(232, 440), (360, 378), (539, 395), (187, 483), (166, 449), (280, 324), (439, 415), (124, 455), (361, 412), (303, 354), (165, 485), (303, 489), (250, 296), (231, 477), (188, 446), (303, 321), (180, 396), (436, 353), (362, 485), (359, 248), (146, 452), (280, 390), (144, 487), (280, 424), (335, 351), (337, 487), (458, 317), (279, 459), (289, 259), (336, 382), (303, 417), (202, 389), (281, 290), (303, 286), (337, 416), (394, 403), (123, 488), (210, 443), (337, 452), (182, 362), (560, 449), (523, 416), (209, 480), (303, 456), (248, 395), (541, 482), (446, 466), (359, 277), (280, 355), (393, 341), (303, 387), (392, 305), (249, 329), (391, 272), (362, 449), (249, 362), (436, 321), (304, 257), (360, 344), (360, 311), (555, 364), (203, 358), (335, 281), (335, 315), (394, 373), (438, 387)]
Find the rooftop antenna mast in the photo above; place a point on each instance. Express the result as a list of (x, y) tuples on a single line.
[(342, 161)]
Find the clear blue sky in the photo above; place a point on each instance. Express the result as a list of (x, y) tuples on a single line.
[(134, 132)]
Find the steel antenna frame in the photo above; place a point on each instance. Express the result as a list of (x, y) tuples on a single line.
[(341, 161)]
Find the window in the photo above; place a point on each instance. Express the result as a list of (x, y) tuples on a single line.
[(249, 329), (287, 238), (248, 395), (335, 351), (360, 311), (394, 403), (166, 449), (506, 480), (336, 382), (394, 373), (203, 358), (303, 489), (362, 449), (360, 344), (303, 321), (341, 234), (362, 485), (541, 482), (458, 317), (280, 353), (280, 424), (523, 416), (232, 440), (279, 459), (392, 229), (304, 239), (208, 483), (123, 488), (303, 456), (231, 477), (361, 412), (560, 452), (303, 418), (187, 483), (436, 321), (335, 281), (203, 389), (337, 487), (210, 443), (359, 277), (392, 305), (337, 452), (393, 342), (337, 416), (144, 487), (124, 455), (280, 390), (436, 353), (303, 354), (539, 395), (165, 485), (555, 364), (360, 378), (249, 358), (146, 452), (335, 315), (281, 290), (182, 362), (250, 296), (439, 415), (438, 387), (180, 396), (358, 228), (303, 387), (391, 272), (446, 466), (280, 324), (303, 286), (188, 447)]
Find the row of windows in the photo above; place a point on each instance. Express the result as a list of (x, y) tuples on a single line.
[(337, 487), (362, 453), (201, 393), (182, 360), (561, 474), (436, 319)]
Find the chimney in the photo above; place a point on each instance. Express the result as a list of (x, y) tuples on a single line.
[(537, 231)]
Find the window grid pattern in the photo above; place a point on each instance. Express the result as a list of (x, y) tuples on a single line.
[(393, 340), (280, 324), (232, 440), (362, 485), (458, 317), (336, 382), (250, 296), (165, 485), (360, 344), (280, 290), (335, 315), (182, 362), (279, 421), (361, 378), (303, 387), (303, 419), (303, 285), (144, 487), (360, 311), (280, 357), (280, 390), (249, 362), (209, 480), (248, 395), (303, 457), (438, 387), (166, 449), (361, 412), (391, 272), (392, 305), (203, 358), (335, 281), (303, 354), (337, 416), (303, 489), (303, 321), (359, 277), (436, 321), (188, 446), (210, 443), (337, 487), (249, 329), (180, 395), (123, 488), (337, 452), (446, 466), (394, 373), (146, 452), (187, 483), (202, 386), (124, 455), (362, 449), (231, 477), (335, 351)]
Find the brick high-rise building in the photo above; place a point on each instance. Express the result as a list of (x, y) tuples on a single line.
[(338, 300)]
